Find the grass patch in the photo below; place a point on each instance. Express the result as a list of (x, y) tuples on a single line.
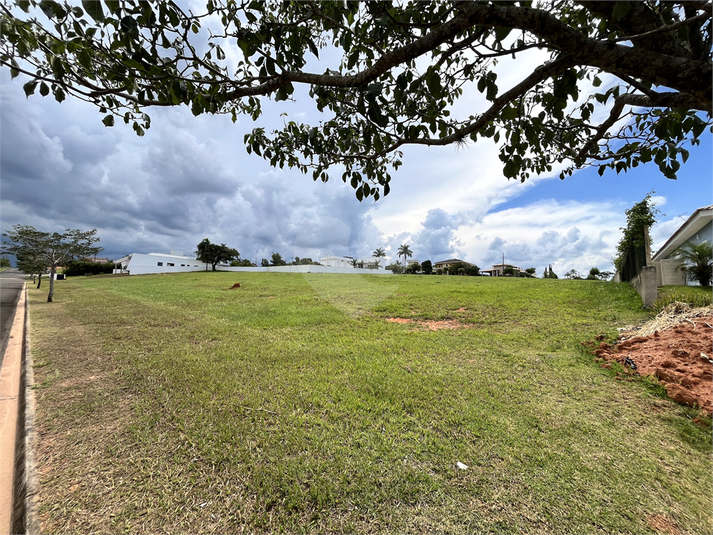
[(170, 403), (695, 296)]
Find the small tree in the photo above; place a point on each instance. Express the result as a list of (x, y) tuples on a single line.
[(4, 262), (472, 271), (277, 260), (395, 267), (212, 253), (427, 267), (698, 261), (509, 271), (530, 271), (413, 268), (264, 262), (52, 250), (572, 274)]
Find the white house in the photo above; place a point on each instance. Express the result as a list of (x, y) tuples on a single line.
[(696, 229), (336, 261), (498, 269), (141, 264)]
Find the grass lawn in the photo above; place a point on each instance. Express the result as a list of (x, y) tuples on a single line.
[(169, 403), (696, 296)]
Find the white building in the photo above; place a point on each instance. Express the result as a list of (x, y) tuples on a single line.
[(141, 264), (336, 261)]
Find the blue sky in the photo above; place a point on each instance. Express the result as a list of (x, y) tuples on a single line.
[(191, 178)]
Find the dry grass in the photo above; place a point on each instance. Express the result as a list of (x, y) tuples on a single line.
[(672, 315)]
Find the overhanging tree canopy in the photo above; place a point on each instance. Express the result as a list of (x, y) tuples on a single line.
[(402, 69)]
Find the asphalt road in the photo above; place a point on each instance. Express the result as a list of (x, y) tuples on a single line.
[(11, 282)]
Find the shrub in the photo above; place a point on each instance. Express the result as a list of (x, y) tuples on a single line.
[(83, 267)]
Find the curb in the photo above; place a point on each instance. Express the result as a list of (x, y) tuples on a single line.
[(26, 486), (19, 486)]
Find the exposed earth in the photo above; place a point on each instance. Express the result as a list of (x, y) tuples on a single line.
[(676, 347)]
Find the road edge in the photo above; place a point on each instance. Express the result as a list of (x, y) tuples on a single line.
[(26, 486)]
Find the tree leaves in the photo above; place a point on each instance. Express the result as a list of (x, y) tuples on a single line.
[(94, 9), (403, 72)]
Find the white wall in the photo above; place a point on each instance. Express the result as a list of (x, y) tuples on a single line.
[(141, 264), (309, 269)]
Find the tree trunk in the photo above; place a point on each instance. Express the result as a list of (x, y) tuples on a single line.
[(39, 281), (52, 274)]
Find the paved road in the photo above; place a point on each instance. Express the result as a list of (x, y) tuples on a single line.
[(11, 282)]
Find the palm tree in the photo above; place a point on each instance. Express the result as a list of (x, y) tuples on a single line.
[(698, 261), (379, 253), (354, 262), (405, 251)]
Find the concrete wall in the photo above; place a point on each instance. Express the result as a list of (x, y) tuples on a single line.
[(147, 264), (668, 274), (310, 269), (645, 284)]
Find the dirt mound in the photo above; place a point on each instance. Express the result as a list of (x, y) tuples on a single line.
[(675, 347)]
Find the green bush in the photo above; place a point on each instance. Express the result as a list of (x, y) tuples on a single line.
[(83, 267)]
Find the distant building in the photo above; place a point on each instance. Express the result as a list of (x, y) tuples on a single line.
[(336, 261), (97, 259), (497, 270), (141, 264), (445, 264)]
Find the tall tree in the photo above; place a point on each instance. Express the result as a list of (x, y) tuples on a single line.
[(51, 249), (645, 67), (379, 253), (213, 254), (405, 251)]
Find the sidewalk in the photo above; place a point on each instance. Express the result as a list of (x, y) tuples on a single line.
[(10, 404)]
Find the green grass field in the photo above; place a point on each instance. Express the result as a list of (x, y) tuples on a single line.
[(169, 403)]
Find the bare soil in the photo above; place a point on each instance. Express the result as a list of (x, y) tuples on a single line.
[(679, 355), (431, 325)]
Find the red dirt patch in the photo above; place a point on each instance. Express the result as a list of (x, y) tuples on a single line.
[(661, 524), (679, 356), (430, 325)]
